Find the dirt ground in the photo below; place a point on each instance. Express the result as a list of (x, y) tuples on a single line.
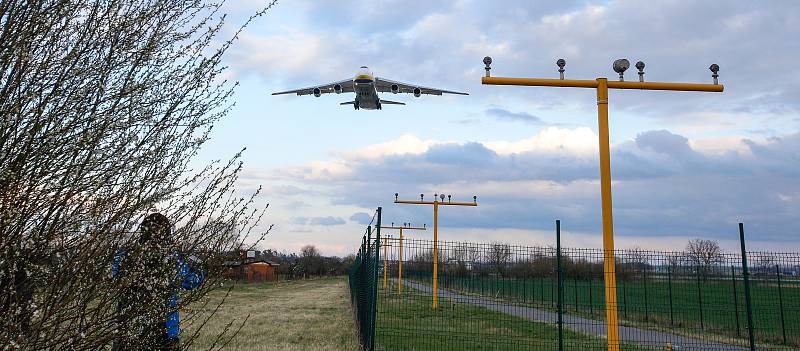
[(297, 315)]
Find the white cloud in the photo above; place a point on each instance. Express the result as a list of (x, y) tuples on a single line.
[(555, 140), (723, 144), (318, 170), (579, 141), (405, 144)]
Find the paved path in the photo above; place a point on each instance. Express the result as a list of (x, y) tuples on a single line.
[(649, 338)]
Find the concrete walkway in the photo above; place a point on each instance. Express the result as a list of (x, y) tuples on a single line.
[(645, 337)]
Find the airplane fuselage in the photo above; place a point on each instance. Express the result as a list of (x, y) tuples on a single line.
[(366, 94)]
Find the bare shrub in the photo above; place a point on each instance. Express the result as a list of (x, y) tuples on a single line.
[(104, 106)]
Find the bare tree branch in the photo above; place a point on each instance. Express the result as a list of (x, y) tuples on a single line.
[(104, 106)]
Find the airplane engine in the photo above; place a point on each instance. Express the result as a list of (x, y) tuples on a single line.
[(317, 92), (337, 89), (417, 92), (395, 88)]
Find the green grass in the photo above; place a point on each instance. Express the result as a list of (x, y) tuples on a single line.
[(647, 303), (407, 322)]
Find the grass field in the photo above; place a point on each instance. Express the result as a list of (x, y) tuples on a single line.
[(296, 315), (406, 322), (644, 303)]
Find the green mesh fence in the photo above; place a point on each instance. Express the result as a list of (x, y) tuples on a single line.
[(505, 297), (363, 288)]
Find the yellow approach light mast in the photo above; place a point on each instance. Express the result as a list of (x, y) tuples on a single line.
[(602, 85), (436, 203), (405, 226)]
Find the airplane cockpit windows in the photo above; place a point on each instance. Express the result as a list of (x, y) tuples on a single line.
[(364, 75)]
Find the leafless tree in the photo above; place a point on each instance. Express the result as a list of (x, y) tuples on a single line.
[(498, 256), (464, 256), (311, 261), (421, 262), (763, 263), (104, 106), (704, 254), (675, 260), (637, 258), (632, 264), (466, 252)]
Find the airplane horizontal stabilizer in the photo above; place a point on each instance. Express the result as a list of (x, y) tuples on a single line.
[(348, 103), (392, 102)]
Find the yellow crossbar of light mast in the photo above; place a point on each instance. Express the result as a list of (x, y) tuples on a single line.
[(602, 85), (436, 203), (611, 84), (400, 260)]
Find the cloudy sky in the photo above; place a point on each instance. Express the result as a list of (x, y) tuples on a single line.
[(684, 165)]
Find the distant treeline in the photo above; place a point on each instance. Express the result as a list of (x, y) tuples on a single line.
[(307, 263), (700, 258)]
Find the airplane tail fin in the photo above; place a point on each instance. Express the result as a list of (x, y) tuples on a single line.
[(388, 102)]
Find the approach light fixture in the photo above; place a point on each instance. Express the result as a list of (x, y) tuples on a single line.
[(640, 67), (714, 69), (561, 63), (488, 62), (620, 66)]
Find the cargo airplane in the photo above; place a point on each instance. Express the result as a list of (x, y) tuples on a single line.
[(366, 87)]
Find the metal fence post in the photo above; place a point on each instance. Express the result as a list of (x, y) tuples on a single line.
[(735, 301), (669, 280), (525, 289), (624, 298), (560, 287), (553, 286), (780, 302), (541, 289), (646, 306), (746, 275), (575, 287), (700, 298), (591, 298)]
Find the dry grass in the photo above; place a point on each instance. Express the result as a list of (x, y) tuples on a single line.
[(298, 315)]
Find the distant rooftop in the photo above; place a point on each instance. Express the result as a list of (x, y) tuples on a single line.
[(246, 262)]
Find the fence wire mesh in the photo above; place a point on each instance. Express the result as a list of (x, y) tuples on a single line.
[(362, 276), (505, 297)]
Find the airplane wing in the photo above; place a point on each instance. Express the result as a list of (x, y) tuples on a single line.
[(385, 86), (347, 87)]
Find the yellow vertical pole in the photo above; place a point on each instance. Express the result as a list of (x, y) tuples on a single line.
[(435, 252), (608, 226), (385, 249), (400, 266)]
